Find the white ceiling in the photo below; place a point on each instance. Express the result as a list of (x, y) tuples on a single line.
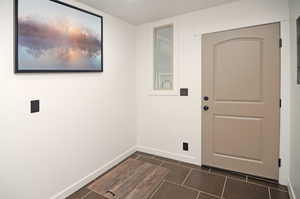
[(142, 11)]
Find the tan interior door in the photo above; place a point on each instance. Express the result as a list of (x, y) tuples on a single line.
[(241, 78)]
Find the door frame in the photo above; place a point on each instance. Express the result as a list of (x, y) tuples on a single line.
[(280, 89)]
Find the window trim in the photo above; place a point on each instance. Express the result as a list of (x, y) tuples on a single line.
[(175, 61), (154, 56)]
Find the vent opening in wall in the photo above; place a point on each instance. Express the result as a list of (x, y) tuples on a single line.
[(298, 50)]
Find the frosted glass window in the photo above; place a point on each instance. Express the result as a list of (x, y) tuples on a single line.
[(298, 49), (163, 58)]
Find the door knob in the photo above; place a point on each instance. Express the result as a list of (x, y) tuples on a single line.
[(205, 108)]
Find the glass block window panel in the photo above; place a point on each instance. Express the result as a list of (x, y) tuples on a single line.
[(298, 50), (163, 58)]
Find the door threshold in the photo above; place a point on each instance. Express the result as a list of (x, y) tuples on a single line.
[(262, 180)]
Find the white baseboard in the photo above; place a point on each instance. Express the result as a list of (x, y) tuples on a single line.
[(84, 181), (179, 157), (291, 191)]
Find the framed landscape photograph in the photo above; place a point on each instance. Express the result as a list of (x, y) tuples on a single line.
[(52, 36)]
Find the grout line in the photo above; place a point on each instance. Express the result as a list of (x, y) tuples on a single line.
[(84, 196), (210, 194), (216, 174), (187, 176), (198, 195), (178, 163), (194, 189), (224, 187), (156, 190), (187, 187), (230, 177), (184, 186)]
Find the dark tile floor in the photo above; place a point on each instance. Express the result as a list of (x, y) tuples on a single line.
[(188, 181)]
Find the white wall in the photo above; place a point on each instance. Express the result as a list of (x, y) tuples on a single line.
[(295, 108), (86, 119), (163, 122)]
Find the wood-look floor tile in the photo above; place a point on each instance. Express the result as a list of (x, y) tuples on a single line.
[(144, 154), (193, 166), (149, 184), (149, 160), (177, 173), (134, 179), (93, 195), (193, 176), (206, 182), (276, 194), (78, 194), (134, 156), (206, 196), (116, 176), (172, 191), (229, 174), (236, 189), (167, 160), (123, 187)]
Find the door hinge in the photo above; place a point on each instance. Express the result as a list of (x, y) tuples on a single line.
[(279, 162), (280, 43), (280, 103)]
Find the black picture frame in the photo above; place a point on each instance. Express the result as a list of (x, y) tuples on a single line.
[(16, 42)]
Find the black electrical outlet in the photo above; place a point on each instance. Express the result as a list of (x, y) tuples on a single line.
[(35, 106), (185, 146), (184, 92)]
